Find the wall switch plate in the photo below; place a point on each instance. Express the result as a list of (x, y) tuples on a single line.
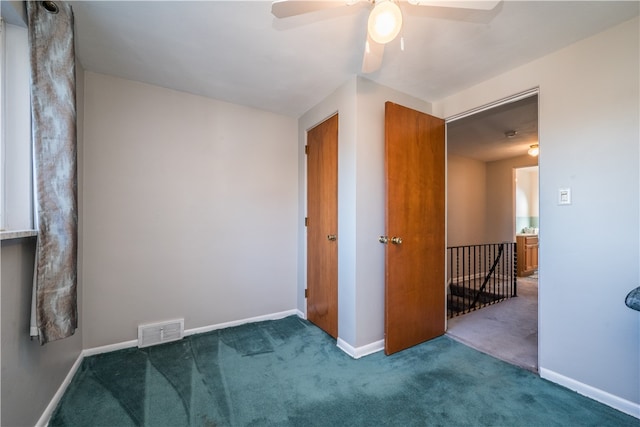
[(564, 196)]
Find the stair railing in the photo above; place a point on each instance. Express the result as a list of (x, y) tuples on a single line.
[(480, 275)]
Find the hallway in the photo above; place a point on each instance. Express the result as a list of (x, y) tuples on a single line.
[(507, 330)]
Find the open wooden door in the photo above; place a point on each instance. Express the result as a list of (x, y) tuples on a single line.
[(415, 254), (322, 225)]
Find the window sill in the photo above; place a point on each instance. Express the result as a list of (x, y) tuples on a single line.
[(17, 234)]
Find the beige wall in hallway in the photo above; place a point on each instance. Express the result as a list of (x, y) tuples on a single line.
[(501, 203), (466, 201)]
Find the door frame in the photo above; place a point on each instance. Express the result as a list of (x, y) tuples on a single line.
[(303, 241), (502, 101)]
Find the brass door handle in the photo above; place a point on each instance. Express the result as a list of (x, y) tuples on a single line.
[(332, 237), (396, 240), (383, 239)]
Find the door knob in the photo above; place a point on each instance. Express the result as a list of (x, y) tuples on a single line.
[(383, 239), (396, 240), (332, 237)]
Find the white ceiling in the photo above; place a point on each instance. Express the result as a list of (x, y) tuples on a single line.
[(483, 136), (236, 51)]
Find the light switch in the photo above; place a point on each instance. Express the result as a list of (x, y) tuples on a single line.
[(564, 196)]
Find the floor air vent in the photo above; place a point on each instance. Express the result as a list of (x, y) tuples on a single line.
[(161, 332)]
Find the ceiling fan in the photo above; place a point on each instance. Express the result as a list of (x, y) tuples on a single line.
[(385, 19)]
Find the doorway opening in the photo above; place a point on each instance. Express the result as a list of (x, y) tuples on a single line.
[(486, 149)]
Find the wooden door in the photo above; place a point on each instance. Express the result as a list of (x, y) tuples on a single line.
[(414, 279), (322, 225)]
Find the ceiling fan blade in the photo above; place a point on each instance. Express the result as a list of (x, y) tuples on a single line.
[(286, 8), (461, 4), (373, 53)]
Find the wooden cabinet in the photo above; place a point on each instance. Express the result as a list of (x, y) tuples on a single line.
[(527, 254)]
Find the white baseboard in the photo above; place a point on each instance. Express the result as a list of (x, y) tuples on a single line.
[(622, 405), (46, 415), (272, 316), (133, 343), (48, 411), (109, 348), (358, 352)]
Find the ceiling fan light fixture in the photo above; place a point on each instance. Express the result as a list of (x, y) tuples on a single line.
[(385, 21), (534, 150)]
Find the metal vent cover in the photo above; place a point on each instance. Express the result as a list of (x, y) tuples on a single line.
[(161, 332)]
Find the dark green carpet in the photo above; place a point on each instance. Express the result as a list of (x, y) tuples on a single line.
[(289, 373)]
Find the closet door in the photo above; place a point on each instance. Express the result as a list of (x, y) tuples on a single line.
[(322, 225)]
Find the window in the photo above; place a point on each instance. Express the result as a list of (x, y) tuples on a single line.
[(16, 178)]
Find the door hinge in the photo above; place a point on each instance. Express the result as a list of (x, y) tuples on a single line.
[(306, 149), (306, 221), (306, 293)]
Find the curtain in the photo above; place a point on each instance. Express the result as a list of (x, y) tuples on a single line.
[(53, 122)]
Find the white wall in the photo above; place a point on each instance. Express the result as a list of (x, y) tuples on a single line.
[(189, 210), (527, 187), (527, 210), (31, 373), (361, 203), (589, 133), (534, 192), (523, 197)]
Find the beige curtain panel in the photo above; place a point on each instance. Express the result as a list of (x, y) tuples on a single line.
[(53, 115)]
